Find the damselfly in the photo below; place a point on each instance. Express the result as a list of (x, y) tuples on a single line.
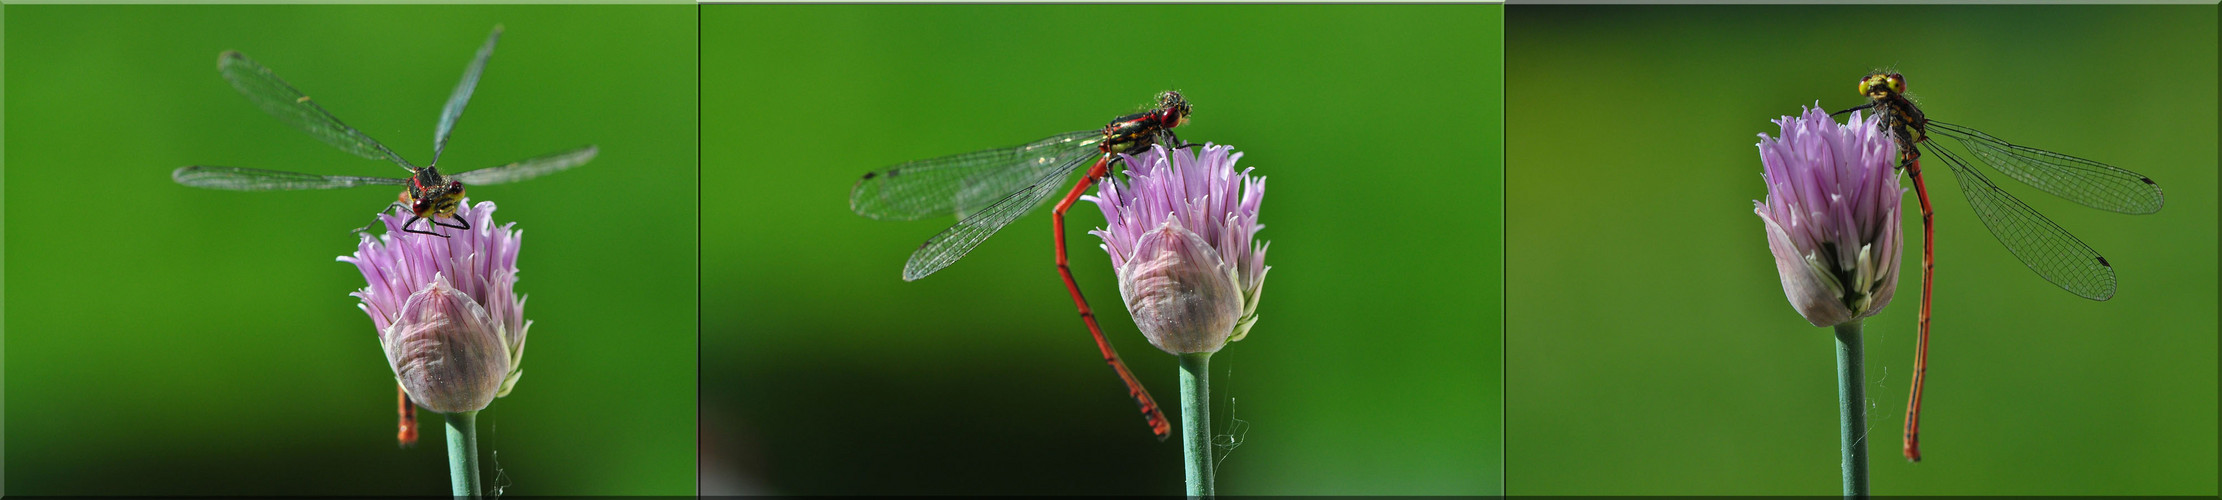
[(430, 196), (2042, 245), (988, 189)]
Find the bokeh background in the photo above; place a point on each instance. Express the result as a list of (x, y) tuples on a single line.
[(1651, 350), (165, 340), (1374, 368)]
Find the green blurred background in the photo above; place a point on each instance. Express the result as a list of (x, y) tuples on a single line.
[(1651, 348), (165, 340), (1374, 368)]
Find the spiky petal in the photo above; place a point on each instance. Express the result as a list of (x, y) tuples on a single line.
[(1831, 214), (452, 327)]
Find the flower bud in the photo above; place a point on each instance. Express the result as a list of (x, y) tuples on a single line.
[(445, 350), (1831, 215), (1180, 231), (452, 327), (1182, 296)]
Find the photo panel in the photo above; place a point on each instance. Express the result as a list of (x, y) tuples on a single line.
[(1650, 347), (1371, 367), (169, 335)]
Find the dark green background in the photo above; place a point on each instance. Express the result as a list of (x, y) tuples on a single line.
[(170, 340), (1374, 368), (1651, 348)]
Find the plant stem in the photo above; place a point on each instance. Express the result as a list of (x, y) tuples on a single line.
[(1851, 402), (462, 453), (1195, 422)]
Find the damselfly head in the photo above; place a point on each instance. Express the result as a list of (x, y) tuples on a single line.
[(442, 203), (1171, 98), (436, 200), (1881, 85), (431, 194), (1174, 107)]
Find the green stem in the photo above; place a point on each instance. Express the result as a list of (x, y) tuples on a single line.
[(462, 453), (1851, 402), (1195, 422)]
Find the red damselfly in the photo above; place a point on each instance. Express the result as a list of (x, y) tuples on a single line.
[(989, 189), (2042, 245), (429, 196)]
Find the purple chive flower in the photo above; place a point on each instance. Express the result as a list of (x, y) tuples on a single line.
[(1832, 214), (1179, 231), (451, 324)]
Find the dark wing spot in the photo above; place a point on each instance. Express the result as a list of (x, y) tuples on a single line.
[(2102, 262)]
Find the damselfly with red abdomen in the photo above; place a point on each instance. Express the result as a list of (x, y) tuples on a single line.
[(988, 189), (429, 196), (2042, 245)]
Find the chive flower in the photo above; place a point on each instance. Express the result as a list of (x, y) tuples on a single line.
[(1831, 214), (452, 327), (1180, 232)]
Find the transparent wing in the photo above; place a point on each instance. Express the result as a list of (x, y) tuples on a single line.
[(462, 95), (529, 168), (255, 179), (2093, 184), (274, 96), (960, 184), (945, 248), (2042, 245)]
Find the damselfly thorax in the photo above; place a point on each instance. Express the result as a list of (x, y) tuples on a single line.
[(1887, 93), (1138, 131)]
